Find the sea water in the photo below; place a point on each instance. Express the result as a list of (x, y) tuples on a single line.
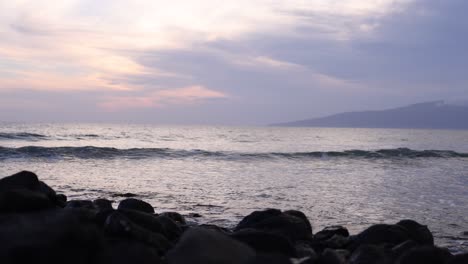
[(336, 176)]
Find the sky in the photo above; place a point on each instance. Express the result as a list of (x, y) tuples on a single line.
[(243, 62)]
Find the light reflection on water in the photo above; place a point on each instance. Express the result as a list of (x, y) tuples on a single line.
[(354, 192)]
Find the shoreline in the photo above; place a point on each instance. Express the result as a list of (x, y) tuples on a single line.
[(37, 222)]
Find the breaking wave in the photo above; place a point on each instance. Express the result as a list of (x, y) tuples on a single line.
[(91, 152)]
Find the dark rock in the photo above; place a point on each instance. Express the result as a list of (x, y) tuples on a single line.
[(288, 225), (343, 253), (47, 190), (103, 204), (195, 215), (459, 259), (337, 241), (119, 225), (23, 200), (216, 228), (85, 204), (269, 259), (417, 232), (137, 205), (126, 195), (425, 255), (122, 251), (144, 220), (370, 254), (21, 180), (330, 231), (329, 256), (61, 200), (302, 216), (400, 249), (172, 230), (25, 190), (263, 242), (256, 217), (52, 236), (381, 234), (304, 250), (203, 246), (176, 217)]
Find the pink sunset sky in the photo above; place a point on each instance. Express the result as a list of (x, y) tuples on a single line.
[(226, 62)]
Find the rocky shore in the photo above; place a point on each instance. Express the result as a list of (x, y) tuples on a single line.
[(38, 225)]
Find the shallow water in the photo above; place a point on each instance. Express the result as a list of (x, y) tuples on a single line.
[(352, 177)]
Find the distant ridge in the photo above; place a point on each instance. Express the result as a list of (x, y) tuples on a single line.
[(435, 115)]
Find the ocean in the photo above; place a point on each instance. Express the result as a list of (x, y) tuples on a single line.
[(336, 176)]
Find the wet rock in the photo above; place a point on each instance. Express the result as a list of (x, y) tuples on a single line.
[(144, 220), (304, 250), (52, 236), (417, 232), (302, 216), (425, 255), (264, 242), (216, 228), (21, 180), (381, 234), (23, 191), (176, 217), (126, 195), (85, 204), (118, 225), (61, 200), (122, 251), (270, 259), (459, 259), (103, 204), (343, 253), (329, 256), (195, 215), (288, 225), (337, 241), (330, 231), (137, 205), (23, 200), (255, 217), (203, 246), (370, 254), (172, 230), (400, 249)]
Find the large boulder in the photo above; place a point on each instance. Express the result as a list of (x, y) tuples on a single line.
[(117, 224), (292, 225), (330, 231), (381, 234), (417, 232), (52, 236), (426, 255), (264, 242), (23, 200), (137, 205), (370, 254), (203, 246), (459, 259), (124, 251), (256, 217), (23, 191)]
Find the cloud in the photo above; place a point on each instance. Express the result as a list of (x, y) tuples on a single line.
[(274, 61), (161, 98)]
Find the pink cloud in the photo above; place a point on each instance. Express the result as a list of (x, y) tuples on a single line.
[(161, 98)]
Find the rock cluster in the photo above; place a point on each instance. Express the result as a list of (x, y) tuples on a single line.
[(37, 225)]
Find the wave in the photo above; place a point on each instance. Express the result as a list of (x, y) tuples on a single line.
[(21, 136), (91, 152)]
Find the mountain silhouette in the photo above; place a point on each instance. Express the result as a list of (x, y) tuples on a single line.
[(432, 115)]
